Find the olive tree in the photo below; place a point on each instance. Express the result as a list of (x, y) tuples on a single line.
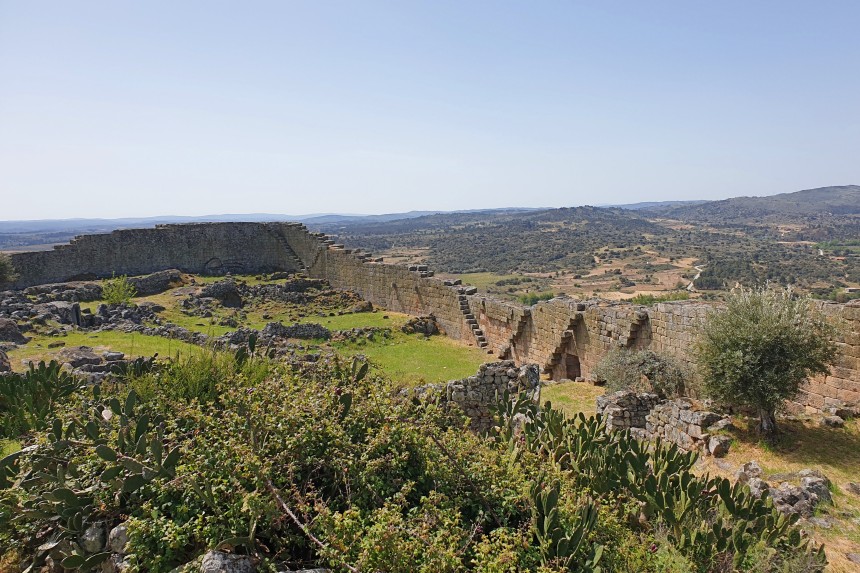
[(7, 271), (760, 348)]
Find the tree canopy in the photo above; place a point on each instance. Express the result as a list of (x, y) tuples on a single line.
[(760, 348)]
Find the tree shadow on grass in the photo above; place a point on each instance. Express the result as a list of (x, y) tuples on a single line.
[(807, 443)]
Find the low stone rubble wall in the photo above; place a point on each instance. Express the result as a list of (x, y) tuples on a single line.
[(478, 394), (626, 410), (676, 421)]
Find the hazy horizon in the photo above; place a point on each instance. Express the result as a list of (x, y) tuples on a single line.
[(136, 110)]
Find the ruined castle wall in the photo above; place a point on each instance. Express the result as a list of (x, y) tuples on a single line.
[(843, 382), (565, 337), (393, 287), (234, 247)]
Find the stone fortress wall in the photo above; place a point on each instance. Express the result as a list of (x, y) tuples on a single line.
[(234, 247), (566, 337)]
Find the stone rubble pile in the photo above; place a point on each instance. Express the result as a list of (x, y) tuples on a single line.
[(425, 325), (477, 395), (676, 421), (92, 366), (796, 493), (360, 333)]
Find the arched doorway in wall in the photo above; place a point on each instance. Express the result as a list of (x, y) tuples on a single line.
[(568, 358)]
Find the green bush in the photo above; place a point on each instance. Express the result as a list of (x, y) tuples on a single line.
[(118, 290), (641, 371), (650, 299), (534, 298)]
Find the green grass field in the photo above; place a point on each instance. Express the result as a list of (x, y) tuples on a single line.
[(412, 359), (132, 344), (572, 397)]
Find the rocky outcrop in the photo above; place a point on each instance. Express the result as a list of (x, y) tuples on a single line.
[(796, 493), (226, 292), (9, 332)]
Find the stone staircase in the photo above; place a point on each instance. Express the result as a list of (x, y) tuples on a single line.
[(289, 252), (462, 296)]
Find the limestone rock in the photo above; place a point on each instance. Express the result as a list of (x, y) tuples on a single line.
[(833, 422), (818, 486), (363, 306), (156, 282), (853, 487), (78, 356), (226, 292), (723, 424), (9, 332), (789, 499), (92, 540), (118, 539), (5, 365), (115, 564), (749, 470), (425, 325), (718, 446), (758, 487), (220, 562)]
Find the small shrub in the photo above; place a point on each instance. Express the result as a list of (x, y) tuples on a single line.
[(7, 270), (642, 371), (118, 290), (534, 298), (650, 299)]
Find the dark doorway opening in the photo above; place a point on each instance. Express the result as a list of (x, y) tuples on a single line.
[(572, 369)]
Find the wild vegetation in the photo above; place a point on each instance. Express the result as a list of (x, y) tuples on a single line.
[(118, 290), (325, 465), (641, 371)]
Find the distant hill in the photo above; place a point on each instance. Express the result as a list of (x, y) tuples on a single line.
[(654, 205), (785, 207), (42, 233)]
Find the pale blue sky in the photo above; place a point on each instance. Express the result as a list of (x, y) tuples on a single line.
[(197, 107)]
